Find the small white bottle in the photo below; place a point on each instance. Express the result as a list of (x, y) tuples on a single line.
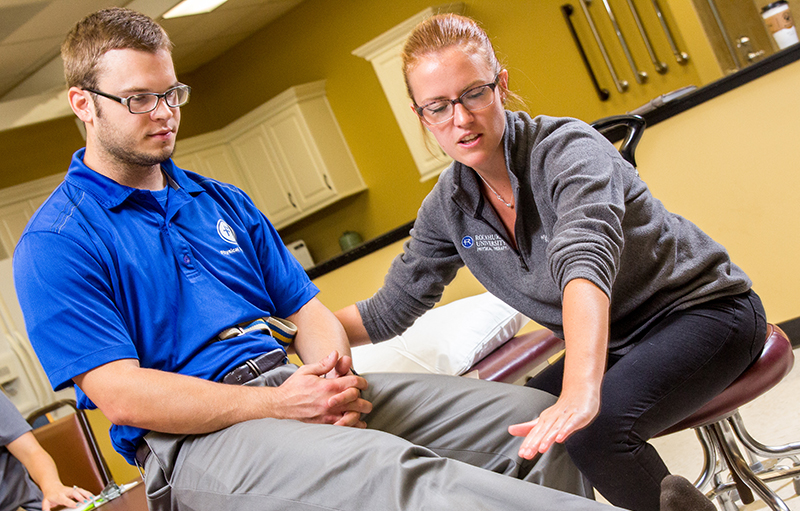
[(778, 19)]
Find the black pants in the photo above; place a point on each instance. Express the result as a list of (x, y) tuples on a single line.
[(678, 365)]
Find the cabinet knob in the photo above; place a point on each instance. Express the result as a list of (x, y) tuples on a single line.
[(291, 201)]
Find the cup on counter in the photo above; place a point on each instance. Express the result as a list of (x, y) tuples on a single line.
[(348, 240), (778, 19)]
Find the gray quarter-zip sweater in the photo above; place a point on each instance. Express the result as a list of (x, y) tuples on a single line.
[(582, 212)]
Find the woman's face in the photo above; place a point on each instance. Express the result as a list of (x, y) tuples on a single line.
[(472, 138)]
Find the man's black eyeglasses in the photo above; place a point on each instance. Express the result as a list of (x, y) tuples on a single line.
[(148, 101)]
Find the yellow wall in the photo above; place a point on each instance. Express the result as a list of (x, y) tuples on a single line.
[(121, 472), (36, 151), (532, 37), (360, 279), (731, 166), (314, 41)]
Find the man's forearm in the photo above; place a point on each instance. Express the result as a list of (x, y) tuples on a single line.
[(171, 403)]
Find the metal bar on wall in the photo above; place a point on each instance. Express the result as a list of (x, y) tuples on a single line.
[(621, 85), (567, 11), (661, 67), (725, 37), (640, 76), (681, 56)]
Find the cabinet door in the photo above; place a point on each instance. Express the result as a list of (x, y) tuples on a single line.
[(188, 161), (219, 163), (272, 194), (17, 205), (13, 219), (384, 52), (299, 157)]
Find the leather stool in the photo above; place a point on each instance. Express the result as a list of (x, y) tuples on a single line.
[(718, 426)]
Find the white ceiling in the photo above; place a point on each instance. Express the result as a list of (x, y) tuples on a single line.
[(31, 31)]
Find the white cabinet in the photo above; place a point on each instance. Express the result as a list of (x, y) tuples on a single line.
[(296, 152), (270, 191), (289, 155), (207, 155), (384, 53), (17, 205)]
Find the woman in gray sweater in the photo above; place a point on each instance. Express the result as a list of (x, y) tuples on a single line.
[(550, 218)]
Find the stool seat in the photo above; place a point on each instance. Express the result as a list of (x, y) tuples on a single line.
[(718, 425), (768, 370), (721, 431)]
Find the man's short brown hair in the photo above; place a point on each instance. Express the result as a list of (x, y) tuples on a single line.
[(110, 29)]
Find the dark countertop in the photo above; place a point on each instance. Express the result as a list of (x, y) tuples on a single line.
[(360, 250), (675, 107), (723, 85)]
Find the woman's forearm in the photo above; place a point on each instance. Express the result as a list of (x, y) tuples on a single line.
[(586, 330), (353, 325)]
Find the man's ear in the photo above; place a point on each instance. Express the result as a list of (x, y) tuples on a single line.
[(81, 104)]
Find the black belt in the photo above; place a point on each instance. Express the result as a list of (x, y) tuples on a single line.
[(255, 367)]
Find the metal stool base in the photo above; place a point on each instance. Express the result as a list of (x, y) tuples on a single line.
[(746, 474)]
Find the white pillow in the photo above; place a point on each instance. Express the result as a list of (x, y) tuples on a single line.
[(446, 340)]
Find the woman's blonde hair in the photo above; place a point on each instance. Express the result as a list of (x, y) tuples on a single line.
[(110, 29), (443, 31)]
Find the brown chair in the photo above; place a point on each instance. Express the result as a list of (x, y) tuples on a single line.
[(72, 445)]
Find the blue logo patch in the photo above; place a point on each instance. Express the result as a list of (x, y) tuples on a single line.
[(467, 242)]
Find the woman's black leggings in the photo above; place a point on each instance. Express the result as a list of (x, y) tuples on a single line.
[(675, 367)]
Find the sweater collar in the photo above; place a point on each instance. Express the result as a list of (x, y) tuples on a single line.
[(466, 192)]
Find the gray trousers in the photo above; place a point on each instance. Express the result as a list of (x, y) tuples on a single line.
[(433, 442)]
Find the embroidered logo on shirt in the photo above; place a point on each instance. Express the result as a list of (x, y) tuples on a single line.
[(490, 242), (484, 242), (225, 232)]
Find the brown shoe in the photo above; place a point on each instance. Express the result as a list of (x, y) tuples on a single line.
[(678, 494)]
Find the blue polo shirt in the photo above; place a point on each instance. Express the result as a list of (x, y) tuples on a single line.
[(105, 272)]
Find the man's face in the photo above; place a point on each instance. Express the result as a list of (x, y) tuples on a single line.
[(134, 140)]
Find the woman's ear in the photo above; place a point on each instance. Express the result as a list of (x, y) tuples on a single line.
[(502, 82), (414, 109)]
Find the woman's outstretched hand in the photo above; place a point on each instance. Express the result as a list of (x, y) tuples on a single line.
[(556, 424)]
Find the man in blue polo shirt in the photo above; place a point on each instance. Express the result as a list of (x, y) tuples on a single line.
[(147, 286)]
